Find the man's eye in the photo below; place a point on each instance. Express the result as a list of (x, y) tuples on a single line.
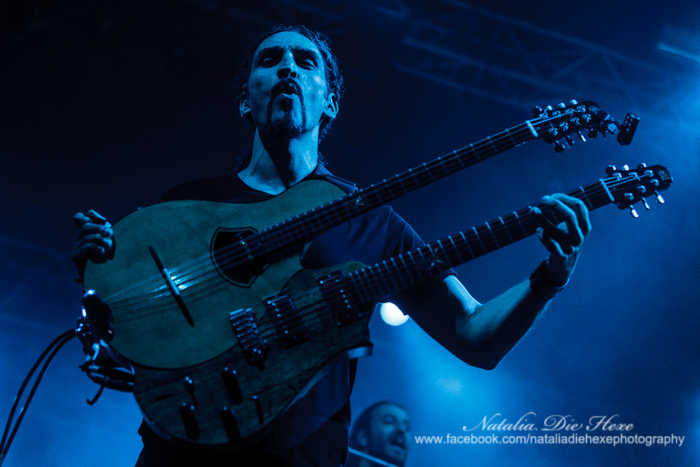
[(307, 63)]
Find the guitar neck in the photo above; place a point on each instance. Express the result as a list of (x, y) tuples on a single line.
[(316, 221), (374, 283)]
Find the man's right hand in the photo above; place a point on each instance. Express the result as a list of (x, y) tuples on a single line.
[(95, 240)]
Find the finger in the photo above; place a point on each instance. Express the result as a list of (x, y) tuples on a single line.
[(81, 254), (94, 234), (99, 239), (550, 244), (79, 219), (551, 236), (93, 217), (97, 218), (579, 207), (572, 235)]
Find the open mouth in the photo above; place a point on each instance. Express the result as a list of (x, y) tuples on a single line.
[(287, 87)]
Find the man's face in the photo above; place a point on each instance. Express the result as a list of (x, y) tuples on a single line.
[(287, 91), (389, 434)]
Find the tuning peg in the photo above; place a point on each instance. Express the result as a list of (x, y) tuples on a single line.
[(642, 166), (634, 212), (561, 105), (626, 168), (645, 204), (537, 111), (573, 102), (581, 137), (611, 169), (549, 108), (659, 199), (559, 147)]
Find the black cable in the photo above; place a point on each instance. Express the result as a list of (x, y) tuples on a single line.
[(51, 351)]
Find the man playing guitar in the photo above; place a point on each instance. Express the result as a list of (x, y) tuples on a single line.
[(291, 92)]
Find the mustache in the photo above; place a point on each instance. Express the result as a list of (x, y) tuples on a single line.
[(286, 86)]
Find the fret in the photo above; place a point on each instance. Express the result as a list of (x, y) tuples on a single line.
[(506, 229), (401, 183), (443, 252), (388, 276), (585, 199), (364, 285), (408, 270), (492, 145), (454, 155), (511, 138), (368, 280), (478, 237), (387, 187), (428, 171), (466, 242), (495, 239), (519, 222), (444, 166), (456, 250), (415, 264), (396, 267)]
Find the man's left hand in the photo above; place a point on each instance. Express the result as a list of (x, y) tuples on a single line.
[(563, 241)]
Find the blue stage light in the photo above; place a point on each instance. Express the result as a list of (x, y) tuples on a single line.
[(392, 315)]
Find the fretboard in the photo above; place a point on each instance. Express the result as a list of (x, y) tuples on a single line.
[(376, 282), (316, 221)]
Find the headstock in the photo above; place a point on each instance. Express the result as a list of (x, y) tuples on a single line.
[(630, 186), (557, 126)]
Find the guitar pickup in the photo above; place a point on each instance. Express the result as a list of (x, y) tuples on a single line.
[(285, 316), (341, 301), (246, 328)]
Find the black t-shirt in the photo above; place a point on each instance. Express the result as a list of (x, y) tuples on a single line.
[(313, 432)]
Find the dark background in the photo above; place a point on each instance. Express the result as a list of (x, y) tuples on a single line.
[(106, 104)]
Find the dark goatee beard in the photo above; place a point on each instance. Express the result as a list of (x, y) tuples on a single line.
[(286, 129)]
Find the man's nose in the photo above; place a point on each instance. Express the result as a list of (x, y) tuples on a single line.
[(287, 68)]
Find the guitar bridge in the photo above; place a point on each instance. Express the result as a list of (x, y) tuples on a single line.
[(246, 328)]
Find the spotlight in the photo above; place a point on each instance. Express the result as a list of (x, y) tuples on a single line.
[(392, 315)]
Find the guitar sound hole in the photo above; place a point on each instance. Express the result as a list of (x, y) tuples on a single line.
[(230, 256)]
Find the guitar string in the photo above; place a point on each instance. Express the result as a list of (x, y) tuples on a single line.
[(183, 279), (521, 220), (236, 254), (228, 255), (267, 328), (595, 194), (186, 280), (592, 195), (158, 310), (269, 333)]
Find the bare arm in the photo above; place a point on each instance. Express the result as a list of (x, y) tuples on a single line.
[(482, 334)]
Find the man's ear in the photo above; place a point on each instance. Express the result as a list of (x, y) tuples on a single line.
[(243, 104), (362, 439), (332, 106)]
